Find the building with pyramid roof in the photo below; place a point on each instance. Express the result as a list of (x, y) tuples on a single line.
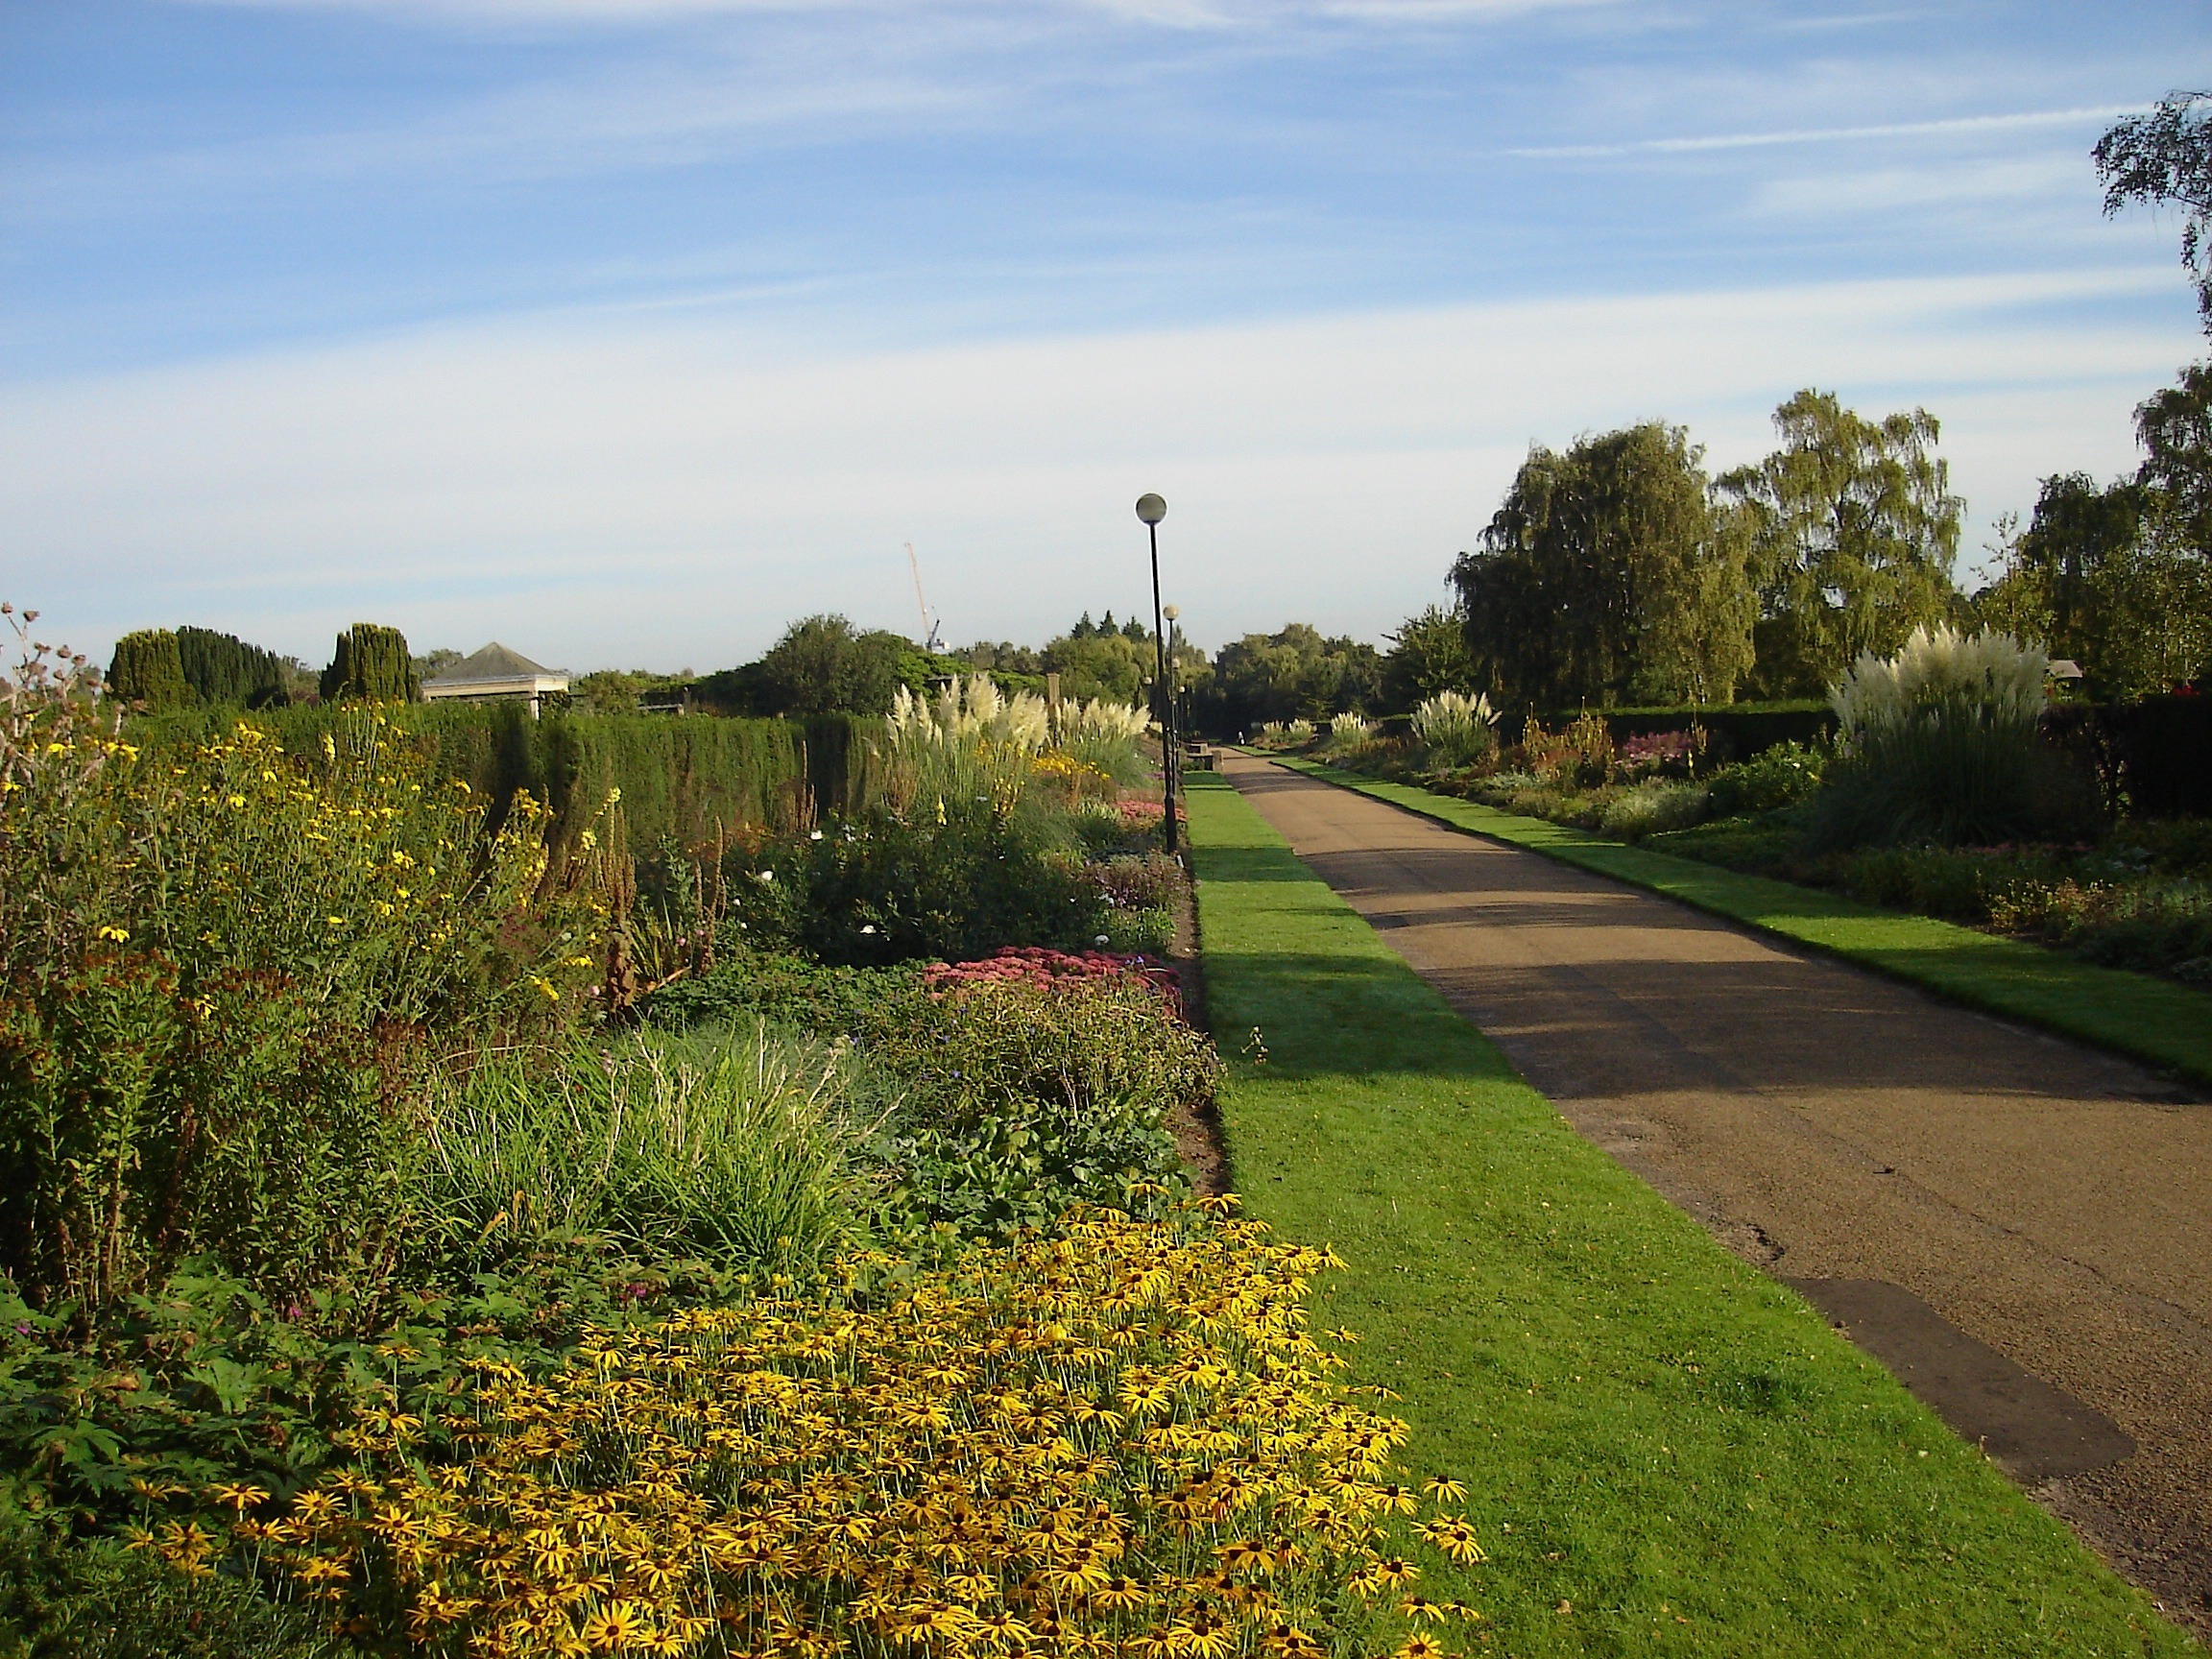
[(496, 673)]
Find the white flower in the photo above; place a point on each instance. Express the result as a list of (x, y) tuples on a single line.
[(816, 836), (1100, 940), (763, 875), (867, 927)]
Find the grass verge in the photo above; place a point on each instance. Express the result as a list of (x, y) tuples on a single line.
[(2151, 1020), (1667, 1452)]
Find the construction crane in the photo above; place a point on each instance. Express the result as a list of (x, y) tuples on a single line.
[(929, 630)]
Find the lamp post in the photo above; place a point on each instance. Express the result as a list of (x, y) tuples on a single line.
[(1151, 509), (1174, 727)]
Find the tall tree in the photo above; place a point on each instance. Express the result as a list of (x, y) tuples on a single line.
[(1609, 575), (823, 665), (2175, 428), (1853, 531), (1428, 654), (1298, 673), (2120, 578), (2166, 156)]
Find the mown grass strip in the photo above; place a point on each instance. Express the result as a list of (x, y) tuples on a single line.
[(2151, 1020), (1667, 1452)]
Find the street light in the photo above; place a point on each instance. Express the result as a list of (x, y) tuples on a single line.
[(1151, 509), (1174, 729)]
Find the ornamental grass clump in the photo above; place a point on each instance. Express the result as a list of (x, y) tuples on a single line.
[(1939, 744), (971, 743), (1101, 735), (1124, 1439), (745, 1151), (1456, 729)]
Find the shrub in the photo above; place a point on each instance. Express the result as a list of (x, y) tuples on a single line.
[(1457, 729), (1578, 753), (1127, 1440), (748, 984), (1671, 752), (217, 973), (1779, 777), (1022, 1097), (880, 888), (744, 1153), (1653, 807), (1940, 744), (223, 668), (64, 1597)]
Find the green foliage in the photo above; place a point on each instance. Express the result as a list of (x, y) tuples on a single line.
[(2100, 576), (692, 777), (371, 664), (1295, 674), (66, 1597), (1608, 575), (217, 969), (2174, 427), (2161, 158), (1853, 534), (148, 670), (223, 668), (1654, 806), (878, 889), (1115, 667), (1024, 1096), (749, 985), (1457, 730), (1776, 778), (743, 1152), (1428, 654), (823, 665)]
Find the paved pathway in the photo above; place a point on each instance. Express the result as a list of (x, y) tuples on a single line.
[(2021, 1227)]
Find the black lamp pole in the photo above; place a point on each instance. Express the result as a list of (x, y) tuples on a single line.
[(1151, 509)]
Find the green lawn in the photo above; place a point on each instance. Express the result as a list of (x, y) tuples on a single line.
[(2165, 1024), (1658, 1437)]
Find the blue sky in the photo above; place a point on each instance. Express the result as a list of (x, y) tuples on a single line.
[(623, 331)]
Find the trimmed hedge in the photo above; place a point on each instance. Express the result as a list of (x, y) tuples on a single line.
[(371, 664), (688, 776), (223, 668), (147, 669), (2154, 756)]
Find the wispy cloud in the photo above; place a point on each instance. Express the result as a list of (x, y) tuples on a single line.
[(671, 491), (1959, 125)]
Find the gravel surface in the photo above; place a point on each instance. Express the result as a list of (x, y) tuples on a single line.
[(2020, 1228)]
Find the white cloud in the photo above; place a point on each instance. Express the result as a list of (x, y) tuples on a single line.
[(670, 491), (1952, 126)]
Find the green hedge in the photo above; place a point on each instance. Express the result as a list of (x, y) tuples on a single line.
[(687, 777)]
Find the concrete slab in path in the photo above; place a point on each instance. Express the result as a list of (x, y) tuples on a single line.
[(2019, 1227)]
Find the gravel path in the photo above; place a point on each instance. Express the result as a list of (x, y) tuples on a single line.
[(2021, 1227)]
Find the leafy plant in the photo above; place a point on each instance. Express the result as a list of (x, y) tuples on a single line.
[(222, 968)]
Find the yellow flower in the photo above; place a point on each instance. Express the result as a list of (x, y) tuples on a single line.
[(113, 934)]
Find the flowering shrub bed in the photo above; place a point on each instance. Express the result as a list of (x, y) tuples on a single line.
[(1124, 1440), (1029, 965)]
